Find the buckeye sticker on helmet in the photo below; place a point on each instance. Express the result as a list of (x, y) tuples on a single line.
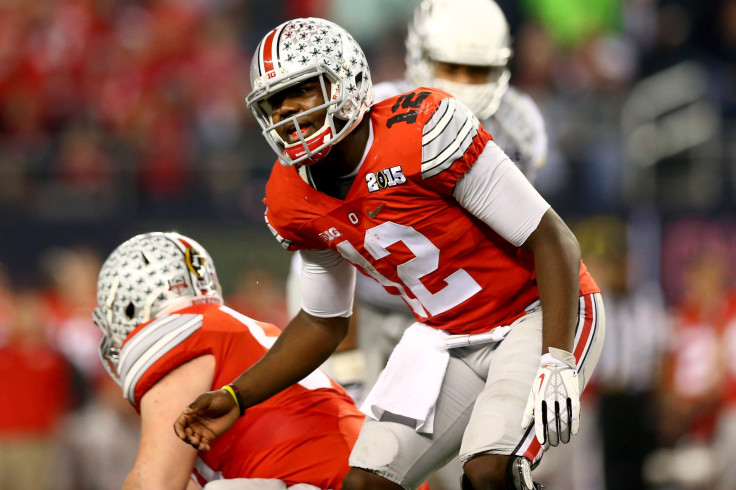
[(195, 262)]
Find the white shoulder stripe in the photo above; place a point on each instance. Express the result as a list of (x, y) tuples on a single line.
[(439, 120), (159, 337), (141, 338), (442, 152), (283, 241)]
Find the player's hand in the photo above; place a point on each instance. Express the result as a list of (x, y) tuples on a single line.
[(210, 415), (554, 400)]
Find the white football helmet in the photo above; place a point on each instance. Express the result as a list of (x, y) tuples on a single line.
[(299, 50), (465, 32), (148, 276)]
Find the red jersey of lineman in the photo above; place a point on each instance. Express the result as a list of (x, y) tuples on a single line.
[(400, 224), (302, 435)]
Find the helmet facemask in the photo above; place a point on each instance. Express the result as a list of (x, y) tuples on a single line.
[(344, 80), (482, 99)]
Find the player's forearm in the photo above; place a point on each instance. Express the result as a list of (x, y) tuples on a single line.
[(303, 346), (557, 263)]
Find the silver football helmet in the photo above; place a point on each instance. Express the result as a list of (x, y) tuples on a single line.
[(466, 32), (148, 276), (299, 50)]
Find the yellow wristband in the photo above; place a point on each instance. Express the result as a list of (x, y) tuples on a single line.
[(236, 396), (229, 389)]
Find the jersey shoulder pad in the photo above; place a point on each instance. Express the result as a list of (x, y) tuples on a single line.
[(447, 134), (151, 343), (451, 136)]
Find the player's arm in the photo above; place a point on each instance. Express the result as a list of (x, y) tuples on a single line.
[(554, 398), (328, 284), (162, 461), (557, 264), (495, 191)]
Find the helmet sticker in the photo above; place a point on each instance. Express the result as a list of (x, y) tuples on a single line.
[(177, 284), (195, 262)]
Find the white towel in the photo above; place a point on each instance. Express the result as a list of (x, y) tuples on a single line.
[(411, 382)]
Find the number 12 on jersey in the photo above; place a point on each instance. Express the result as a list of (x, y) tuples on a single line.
[(460, 285)]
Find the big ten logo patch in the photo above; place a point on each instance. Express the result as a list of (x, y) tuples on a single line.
[(388, 177), (329, 235)]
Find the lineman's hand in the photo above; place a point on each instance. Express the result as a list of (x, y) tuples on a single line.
[(210, 415), (554, 400)]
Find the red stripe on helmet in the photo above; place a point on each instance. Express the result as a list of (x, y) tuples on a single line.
[(185, 243), (267, 57)]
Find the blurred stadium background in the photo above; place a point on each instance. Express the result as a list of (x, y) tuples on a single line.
[(124, 116)]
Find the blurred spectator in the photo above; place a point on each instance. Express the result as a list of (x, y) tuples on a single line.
[(101, 430), (34, 399), (694, 382), (725, 436), (580, 90), (636, 338), (130, 109), (142, 78), (70, 297), (100, 441)]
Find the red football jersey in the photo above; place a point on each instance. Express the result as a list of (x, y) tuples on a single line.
[(302, 435), (401, 225)]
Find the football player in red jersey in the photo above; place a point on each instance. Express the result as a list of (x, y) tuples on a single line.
[(168, 337), (414, 193)]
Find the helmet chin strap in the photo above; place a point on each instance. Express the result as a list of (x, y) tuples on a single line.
[(310, 146)]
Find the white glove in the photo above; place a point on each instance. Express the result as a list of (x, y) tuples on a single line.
[(554, 400)]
